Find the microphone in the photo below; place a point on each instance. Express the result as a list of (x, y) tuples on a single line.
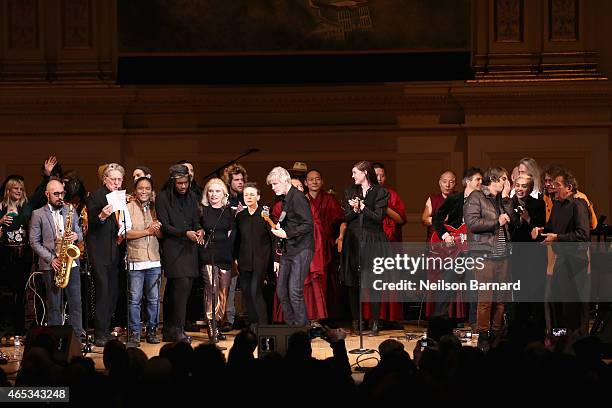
[(247, 151)]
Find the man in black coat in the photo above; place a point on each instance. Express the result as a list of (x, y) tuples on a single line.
[(177, 210), (568, 230), (103, 249), (296, 228)]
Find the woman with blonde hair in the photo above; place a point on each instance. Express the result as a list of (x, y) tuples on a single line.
[(216, 254), (15, 252), (528, 165)]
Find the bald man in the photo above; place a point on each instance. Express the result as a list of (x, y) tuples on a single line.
[(447, 183), (46, 232)]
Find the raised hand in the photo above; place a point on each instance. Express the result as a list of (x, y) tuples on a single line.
[(49, 164)]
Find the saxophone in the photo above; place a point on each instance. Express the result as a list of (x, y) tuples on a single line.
[(67, 253)]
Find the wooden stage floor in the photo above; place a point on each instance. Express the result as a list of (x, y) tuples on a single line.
[(320, 347)]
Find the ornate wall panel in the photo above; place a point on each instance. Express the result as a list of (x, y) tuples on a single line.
[(563, 20), (509, 20)]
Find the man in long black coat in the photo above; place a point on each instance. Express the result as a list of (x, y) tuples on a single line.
[(103, 250), (177, 210)]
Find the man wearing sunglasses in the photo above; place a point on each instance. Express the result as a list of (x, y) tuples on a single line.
[(46, 232)]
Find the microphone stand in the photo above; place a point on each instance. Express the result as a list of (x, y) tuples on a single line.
[(210, 240), (217, 171), (361, 349), (85, 274)]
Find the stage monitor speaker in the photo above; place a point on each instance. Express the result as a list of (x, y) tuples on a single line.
[(64, 342), (274, 339)]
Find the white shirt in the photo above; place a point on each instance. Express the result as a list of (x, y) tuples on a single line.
[(128, 221), (58, 221)]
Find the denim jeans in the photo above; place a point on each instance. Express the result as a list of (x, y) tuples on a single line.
[(144, 282), (57, 296), (290, 286)]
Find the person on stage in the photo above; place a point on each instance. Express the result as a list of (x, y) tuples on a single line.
[(234, 176), (253, 254), (528, 259), (395, 219), (177, 210), (447, 183), (145, 262), (103, 241), (568, 223), (296, 228), (490, 218), (365, 206), (47, 230), (450, 213), (216, 258), (327, 216)]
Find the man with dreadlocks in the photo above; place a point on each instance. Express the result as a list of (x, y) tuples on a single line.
[(177, 210)]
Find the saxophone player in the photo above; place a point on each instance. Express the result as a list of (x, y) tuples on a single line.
[(48, 233)]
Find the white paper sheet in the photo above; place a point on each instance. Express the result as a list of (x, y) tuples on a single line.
[(117, 199)]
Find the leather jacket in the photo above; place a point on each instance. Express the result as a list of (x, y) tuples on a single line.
[(481, 212)]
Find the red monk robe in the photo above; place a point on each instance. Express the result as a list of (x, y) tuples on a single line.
[(326, 208), (325, 212), (390, 310)]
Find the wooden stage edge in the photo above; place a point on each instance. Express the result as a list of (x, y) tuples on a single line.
[(320, 348)]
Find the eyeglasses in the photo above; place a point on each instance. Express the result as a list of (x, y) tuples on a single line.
[(59, 193)]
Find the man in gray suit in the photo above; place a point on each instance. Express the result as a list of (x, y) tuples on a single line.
[(46, 231)]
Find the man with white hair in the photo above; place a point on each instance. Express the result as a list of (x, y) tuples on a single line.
[(103, 249), (295, 228)]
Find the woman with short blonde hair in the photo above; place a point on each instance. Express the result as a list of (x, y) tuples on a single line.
[(215, 182), (217, 220)]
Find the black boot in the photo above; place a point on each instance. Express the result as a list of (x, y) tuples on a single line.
[(152, 336), (134, 339), (170, 334), (211, 333), (184, 337), (220, 336)]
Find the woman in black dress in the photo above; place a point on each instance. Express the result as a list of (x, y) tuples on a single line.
[(365, 205), (216, 254), (253, 253)]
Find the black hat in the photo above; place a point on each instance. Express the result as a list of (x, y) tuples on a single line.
[(178, 171)]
